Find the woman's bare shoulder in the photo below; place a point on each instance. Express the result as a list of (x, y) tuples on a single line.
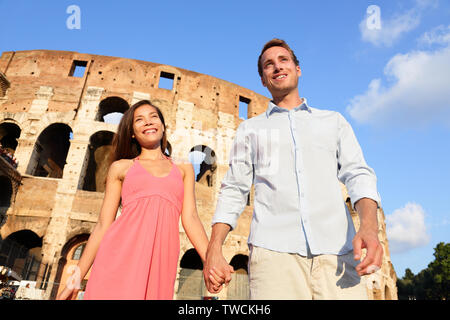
[(119, 168)]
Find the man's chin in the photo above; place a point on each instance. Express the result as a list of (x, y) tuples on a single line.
[(281, 90)]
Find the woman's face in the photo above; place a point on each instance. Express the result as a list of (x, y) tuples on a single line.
[(147, 126)]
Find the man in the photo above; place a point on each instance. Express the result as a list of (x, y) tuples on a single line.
[(302, 241)]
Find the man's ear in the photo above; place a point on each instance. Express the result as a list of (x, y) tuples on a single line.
[(299, 71)]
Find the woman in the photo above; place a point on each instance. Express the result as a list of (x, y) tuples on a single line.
[(136, 256)]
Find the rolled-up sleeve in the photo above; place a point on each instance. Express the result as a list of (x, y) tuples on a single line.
[(237, 182), (359, 179)]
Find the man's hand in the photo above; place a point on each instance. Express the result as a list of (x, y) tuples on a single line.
[(374, 256), (216, 271), (367, 238)]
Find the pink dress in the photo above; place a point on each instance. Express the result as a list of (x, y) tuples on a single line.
[(138, 256)]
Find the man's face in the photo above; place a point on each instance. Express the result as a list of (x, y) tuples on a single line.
[(280, 74)]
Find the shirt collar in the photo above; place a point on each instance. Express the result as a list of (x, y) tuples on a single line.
[(274, 108)]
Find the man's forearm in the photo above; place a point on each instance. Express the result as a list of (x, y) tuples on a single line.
[(218, 235), (367, 211), (367, 237)]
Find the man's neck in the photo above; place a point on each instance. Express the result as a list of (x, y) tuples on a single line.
[(288, 101)]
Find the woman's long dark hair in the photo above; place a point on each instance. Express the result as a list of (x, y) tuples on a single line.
[(127, 147)]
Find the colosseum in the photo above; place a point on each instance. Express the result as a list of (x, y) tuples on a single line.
[(57, 112)]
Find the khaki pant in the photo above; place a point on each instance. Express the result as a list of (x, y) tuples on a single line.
[(286, 276)]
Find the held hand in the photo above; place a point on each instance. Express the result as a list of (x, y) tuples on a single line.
[(374, 256), (216, 272), (66, 294), (220, 279), (72, 283)]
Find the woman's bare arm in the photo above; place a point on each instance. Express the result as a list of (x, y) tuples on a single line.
[(107, 215)]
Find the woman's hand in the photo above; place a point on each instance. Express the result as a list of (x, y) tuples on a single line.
[(67, 294)]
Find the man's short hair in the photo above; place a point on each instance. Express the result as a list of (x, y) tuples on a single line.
[(275, 43)]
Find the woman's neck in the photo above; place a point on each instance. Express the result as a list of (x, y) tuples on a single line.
[(152, 154)]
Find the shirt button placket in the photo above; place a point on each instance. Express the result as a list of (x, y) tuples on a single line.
[(292, 124)]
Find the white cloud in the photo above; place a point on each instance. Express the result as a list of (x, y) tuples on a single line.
[(439, 35), (394, 27), (406, 228), (417, 93)]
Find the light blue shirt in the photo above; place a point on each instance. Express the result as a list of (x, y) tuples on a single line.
[(295, 159)]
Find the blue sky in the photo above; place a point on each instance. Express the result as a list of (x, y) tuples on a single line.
[(390, 80)]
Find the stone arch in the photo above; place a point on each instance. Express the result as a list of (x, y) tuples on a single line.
[(190, 282), (9, 135), (111, 106), (67, 261), (16, 249), (97, 161), (206, 167), (50, 151), (238, 288), (387, 293), (191, 260), (28, 239), (240, 263)]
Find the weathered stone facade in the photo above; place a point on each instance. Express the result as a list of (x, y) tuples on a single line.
[(57, 101)]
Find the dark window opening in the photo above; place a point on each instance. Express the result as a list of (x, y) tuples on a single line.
[(191, 284), (191, 260), (238, 287), (50, 151), (21, 251), (9, 133), (97, 161), (111, 109), (240, 263), (203, 160), (243, 107), (166, 80), (78, 252), (78, 68), (6, 192)]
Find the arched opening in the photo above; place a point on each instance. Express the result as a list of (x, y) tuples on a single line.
[(203, 158), (191, 284), (9, 133), (70, 256), (28, 239), (240, 263), (97, 161), (191, 260), (111, 109), (50, 151), (6, 192), (21, 251), (387, 293), (238, 288)]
